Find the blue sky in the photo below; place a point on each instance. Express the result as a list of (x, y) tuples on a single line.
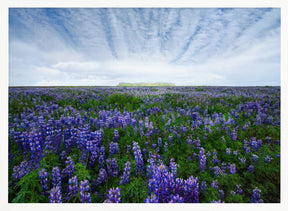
[(209, 46)]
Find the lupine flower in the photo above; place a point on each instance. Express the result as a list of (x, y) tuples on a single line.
[(21, 170), (101, 161), (170, 139), (126, 175), (203, 186), (84, 195), (176, 199), (146, 144), (161, 183), (218, 171), (268, 159), (173, 167), (221, 194), (268, 139), (191, 190), (154, 146), (202, 159), (43, 176), (239, 190), (254, 144), (159, 142), (69, 169), (55, 195), (214, 184), (113, 148), (189, 141), (114, 196), (215, 160), (72, 187), (151, 167), (254, 158), (165, 147), (251, 169), (232, 168), (228, 151), (234, 135), (112, 167), (102, 176), (242, 160), (219, 201), (151, 199), (116, 136), (138, 159), (56, 177), (128, 148), (255, 198)]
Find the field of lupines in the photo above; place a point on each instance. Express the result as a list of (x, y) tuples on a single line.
[(144, 145)]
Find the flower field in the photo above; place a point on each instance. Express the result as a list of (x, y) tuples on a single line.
[(144, 145)]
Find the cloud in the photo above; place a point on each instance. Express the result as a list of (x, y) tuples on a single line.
[(107, 46)]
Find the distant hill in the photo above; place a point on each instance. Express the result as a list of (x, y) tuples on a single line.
[(145, 84)]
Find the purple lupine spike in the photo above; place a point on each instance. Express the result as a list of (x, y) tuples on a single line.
[(151, 166), (214, 184), (239, 190), (203, 186), (251, 169), (268, 159), (43, 176), (202, 159), (114, 196), (72, 187), (69, 169), (102, 177), (191, 190), (232, 168), (113, 148), (222, 194), (234, 135), (112, 167), (254, 158), (116, 136), (138, 159), (126, 175), (165, 147), (173, 168), (170, 139), (55, 195), (159, 142), (161, 183), (151, 199), (242, 160), (56, 177), (176, 199), (219, 201), (256, 198), (21, 170), (128, 148), (228, 151), (84, 192)]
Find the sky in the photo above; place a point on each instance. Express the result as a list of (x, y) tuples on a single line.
[(184, 46)]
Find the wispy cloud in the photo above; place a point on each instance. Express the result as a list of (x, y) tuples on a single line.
[(105, 46)]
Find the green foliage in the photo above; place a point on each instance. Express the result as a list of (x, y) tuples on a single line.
[(29, 188), (81, 172)]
